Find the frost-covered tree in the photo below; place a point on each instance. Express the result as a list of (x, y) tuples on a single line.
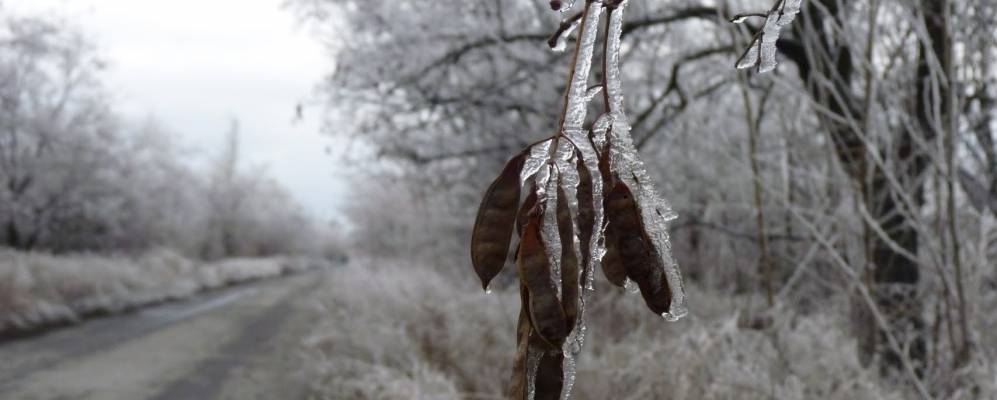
[(861, 167), (57, 137), (75, 176)]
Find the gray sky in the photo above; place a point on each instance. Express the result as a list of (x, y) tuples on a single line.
[(194, 65)]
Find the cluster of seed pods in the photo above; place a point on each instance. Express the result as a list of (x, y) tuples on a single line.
[(579, 201)]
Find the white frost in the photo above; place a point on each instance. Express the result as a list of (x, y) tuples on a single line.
[(762, 51)]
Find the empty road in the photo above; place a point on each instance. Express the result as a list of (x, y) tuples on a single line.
[(238, 343)]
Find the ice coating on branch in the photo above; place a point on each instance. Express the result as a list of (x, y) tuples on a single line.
[(599, 129), (591, 93), (576, 108), (564, 159), (539, 155), (577, 103), (625, 162), (749, 58), (762, 51)]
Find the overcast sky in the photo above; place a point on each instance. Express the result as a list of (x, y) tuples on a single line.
[(194, 65)]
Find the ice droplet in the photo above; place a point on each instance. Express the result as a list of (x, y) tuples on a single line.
[(631, 286), (562, 40), (676, 313)]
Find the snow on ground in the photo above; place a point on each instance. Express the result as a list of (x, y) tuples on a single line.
[(40, 289)]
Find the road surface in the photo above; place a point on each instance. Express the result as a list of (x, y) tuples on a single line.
[(239, 343)]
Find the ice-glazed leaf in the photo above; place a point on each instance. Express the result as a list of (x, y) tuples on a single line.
[(761, 52), (545, 310), (569, 260), (640, 259), (495, 221)]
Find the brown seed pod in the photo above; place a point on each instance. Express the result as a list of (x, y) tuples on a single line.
[(496, 218), (586, 211), (569, 260), (529, 204), (612, 263), (550, 371), (518, 386), (640, 259), (548, 378), (546, 312)]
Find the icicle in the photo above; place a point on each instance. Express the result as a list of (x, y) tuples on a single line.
[(630, 286), (539, 155), (549, 232), (533, 356)]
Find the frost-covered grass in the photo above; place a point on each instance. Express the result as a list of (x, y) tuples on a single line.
[(37, 290), (398, 331)]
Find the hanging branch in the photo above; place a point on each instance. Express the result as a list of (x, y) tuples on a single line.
[(589, 202)]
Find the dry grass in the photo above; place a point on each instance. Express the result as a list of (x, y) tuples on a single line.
[(399, 331)]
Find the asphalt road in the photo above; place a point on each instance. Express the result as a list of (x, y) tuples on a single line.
[(239, 343)]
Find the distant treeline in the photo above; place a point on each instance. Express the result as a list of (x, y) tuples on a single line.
[(75, 177)]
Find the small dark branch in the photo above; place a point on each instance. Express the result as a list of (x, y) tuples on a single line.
[(693, 222), (563, 29), (705, 13), (418, 159), (740, 17)]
